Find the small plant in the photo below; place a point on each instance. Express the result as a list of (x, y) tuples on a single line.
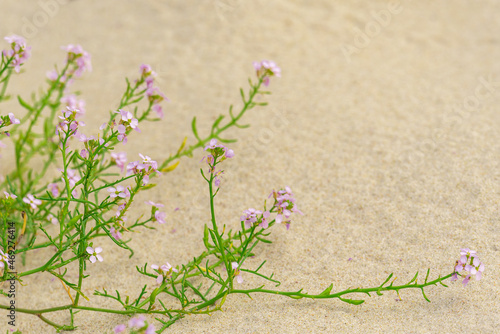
[(95, 187)]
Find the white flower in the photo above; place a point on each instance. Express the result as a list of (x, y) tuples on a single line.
[(94, 254), (31, 200)]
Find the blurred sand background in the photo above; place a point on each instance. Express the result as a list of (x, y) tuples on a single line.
[(393, 151)]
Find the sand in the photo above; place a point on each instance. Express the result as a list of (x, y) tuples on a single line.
[(385, 126)]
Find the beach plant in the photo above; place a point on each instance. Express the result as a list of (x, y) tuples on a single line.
[(68, 189)]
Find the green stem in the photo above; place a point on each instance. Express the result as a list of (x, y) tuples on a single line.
[(234, 120)]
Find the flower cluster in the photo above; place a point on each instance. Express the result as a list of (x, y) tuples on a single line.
[(127, 122), (218, 153), (9, 120), (69, 125), (136, 325), (7, 195), (470, 263), (72, 102), (255, 217), (79, 58), (164, 272), (18, 53), (266, 69), (6, 121), (147, 75), (145, 168), (284, 202), (217, 150), (153, 94)]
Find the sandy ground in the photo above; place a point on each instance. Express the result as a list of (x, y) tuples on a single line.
[(387, 131)]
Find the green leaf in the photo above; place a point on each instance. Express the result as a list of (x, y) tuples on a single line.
[(152, 298), (149, 186), (264, 240), (242, 95), (327, 291), (195, 131), (228, 141), (352, 301), (414, 279), (24, 104), (423, 293), (217, 121), (75, 219), (170, 168)]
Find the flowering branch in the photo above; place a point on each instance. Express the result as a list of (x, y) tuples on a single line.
[(89, 200)]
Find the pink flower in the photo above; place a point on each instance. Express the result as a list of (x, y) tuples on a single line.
[(146, 71), (470, 263), (164, 272), (126, 116), (52, 75), (265, 216), (477, 268), (156, 205), (127, 122), (217, 178), (7, 195), (285, 205), (3, 258), (145, 167), (120, 329), (72, 177), (116, 234), (160, 217), (119, 191), (216, 151), (266, 69), (52, 219), (158, 110), (148, 161), (137, 322), (19, 51), (237, 274), (155, 96), (53, 189), (229, 154), (84, 138), (73, 103), (150, 330), (32, 201), (466, 280), (94, 254), (212, 145), (80, 57), (467, 252), (13, 119), (250, 217)]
